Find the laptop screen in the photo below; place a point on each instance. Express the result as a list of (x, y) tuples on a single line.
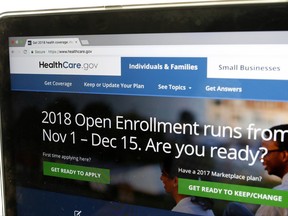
[(147, 123)]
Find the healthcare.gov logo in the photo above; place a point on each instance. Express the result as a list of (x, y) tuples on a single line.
[(67, 65)]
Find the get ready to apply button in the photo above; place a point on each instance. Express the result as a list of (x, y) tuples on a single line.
[(81, 173)]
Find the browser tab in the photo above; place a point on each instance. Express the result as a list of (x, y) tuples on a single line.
[(53, 42)]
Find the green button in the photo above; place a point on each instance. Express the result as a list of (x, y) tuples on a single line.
[(231, 192), (81, 173)]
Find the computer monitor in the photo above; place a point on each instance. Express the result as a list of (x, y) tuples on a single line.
[(145, 110)]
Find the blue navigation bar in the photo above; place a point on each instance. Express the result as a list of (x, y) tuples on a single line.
[(156, 76)]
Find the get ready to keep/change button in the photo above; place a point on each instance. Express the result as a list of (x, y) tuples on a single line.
[(232, 192), (75, 172)]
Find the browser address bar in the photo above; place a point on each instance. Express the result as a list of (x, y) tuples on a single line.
[(62, 51)]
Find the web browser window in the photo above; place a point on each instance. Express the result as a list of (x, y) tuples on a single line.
[(120, 123)]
